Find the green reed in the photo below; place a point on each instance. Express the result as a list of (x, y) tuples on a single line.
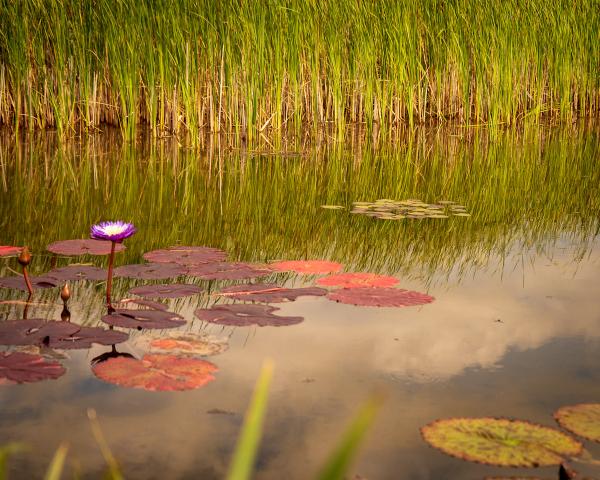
[(267, 67)]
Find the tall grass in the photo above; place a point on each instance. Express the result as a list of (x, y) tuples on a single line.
[(248, 68)]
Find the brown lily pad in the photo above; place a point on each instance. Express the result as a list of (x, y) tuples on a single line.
[(228, 271), (150, 271), (86, 246), (18, 283), (582, 419), (85, 337), (156, 372), (186, 255), (143, 319), (269, 293), (243, 315), (18, 367), (309, 267), (78, 272), (357, 280), (379, 297), (174, 290)]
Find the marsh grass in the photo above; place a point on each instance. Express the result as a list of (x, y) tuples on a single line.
[(265, 67)]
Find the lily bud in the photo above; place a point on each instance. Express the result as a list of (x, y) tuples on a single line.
[(65, 293), (25, 257)]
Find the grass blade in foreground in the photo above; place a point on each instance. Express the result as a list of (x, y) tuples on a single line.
[(5, 452), (338, 463), (58, 461), (114, 472), (247, 446)]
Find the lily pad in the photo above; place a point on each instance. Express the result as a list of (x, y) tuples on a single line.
[(18, 283), (333, 207), (78, 272), (502, 442), (228, 271), (379, 297), (150, 271), (145, 303), (269, 293), (582, 419), (307, 266), (156, 372), (174, 290), (18, 367), (243, 315), (8, 251), (85, 337), (188, 344), (357, 280), (186, 255), (143, 319), (86, 246)]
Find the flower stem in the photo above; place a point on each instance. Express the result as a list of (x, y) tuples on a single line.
[(111, 260), (27, 281)]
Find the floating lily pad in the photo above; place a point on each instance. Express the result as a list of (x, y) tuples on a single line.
[(582, 419), (228, 271), (357, 280), (186, 255), (379, 297), (18, 367), (18, 283), (386, 209), (174, 290), (78, 272), (502, 442), (333, 207), (8, 251), (188, 344), (307, 266), (83, 247), (237, 315), (145, 303), (85, 337), (156, 372), (150, 271), (143, 319), (269, 293)]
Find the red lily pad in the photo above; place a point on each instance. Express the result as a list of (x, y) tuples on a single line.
[(183, 344), (156, 372), (18, 367), (379, 297), (18, 283), (243, 315), (269, 293), (78, 272), (357, 280), (228, 271), (174, 290), (313, 267), (150, 271), (8, 251), (143, 319), (86, 246), (186, 255)]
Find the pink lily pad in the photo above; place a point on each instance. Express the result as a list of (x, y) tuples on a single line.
[(86, 246), (186, 255), (379, 297), (8, 251), (18, 283), (228, 271), (309, 267), (269, 293), (143, 319), (78, 272), (150, 271), (243, 315), (18, 367), (357, 280), (156, 372), (175, 290)]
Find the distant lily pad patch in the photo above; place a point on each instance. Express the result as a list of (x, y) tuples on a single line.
[(186, 255), (143, 319), (387, 209), (228, 271), (156, 372), (309, 267), (144, 303), (186, 344), (243, 315), (150, 271), (8, 251), (18, 283), (78, 272), (83, 247), (502, 442), (18, 367), (357, 280), (582, 419), (379, 297), (269, 293), (174, 290)]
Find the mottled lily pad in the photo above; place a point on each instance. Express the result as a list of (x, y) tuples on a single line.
[(269, 293), (357, 280), (228, 271), (502, 442), (307, 266), (184, 344), (156, 372), (18, 367), (143, 319), (386, 209), (174, 290), (86, 246), (150, 271), (186, 255), (245, 315), (582, 419), (18, 283), (379, 297), (78, 272), (8, 251)]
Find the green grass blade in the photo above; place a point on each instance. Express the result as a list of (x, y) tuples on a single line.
[(114, 472), (55, 469), (5, 452), (247, 446)]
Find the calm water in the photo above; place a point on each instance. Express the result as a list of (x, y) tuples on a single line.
[(514, 330)]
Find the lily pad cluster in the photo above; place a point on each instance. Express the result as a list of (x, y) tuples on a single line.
[(386, 209)]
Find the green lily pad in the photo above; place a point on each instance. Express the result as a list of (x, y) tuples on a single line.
[(502, 442), (582, 419)]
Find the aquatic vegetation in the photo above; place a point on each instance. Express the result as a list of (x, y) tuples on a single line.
[(243, 315), (113, 231), (269, 293), (357, 280), (144, 303), (379, 297), (167, 290), (77, 272), (141, 319), (184, 344), (18, 367), (307, 267), (387, 209), (186, 255), (228, 271), (8, 251), (150, 271), (582, 419), (82, 247), (19, 283)]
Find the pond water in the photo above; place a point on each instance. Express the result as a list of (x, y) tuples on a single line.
[(514, 330)]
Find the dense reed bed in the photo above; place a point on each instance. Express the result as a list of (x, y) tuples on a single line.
[(270, 66)]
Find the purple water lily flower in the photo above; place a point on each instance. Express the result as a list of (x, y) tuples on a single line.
[(113, 231)]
